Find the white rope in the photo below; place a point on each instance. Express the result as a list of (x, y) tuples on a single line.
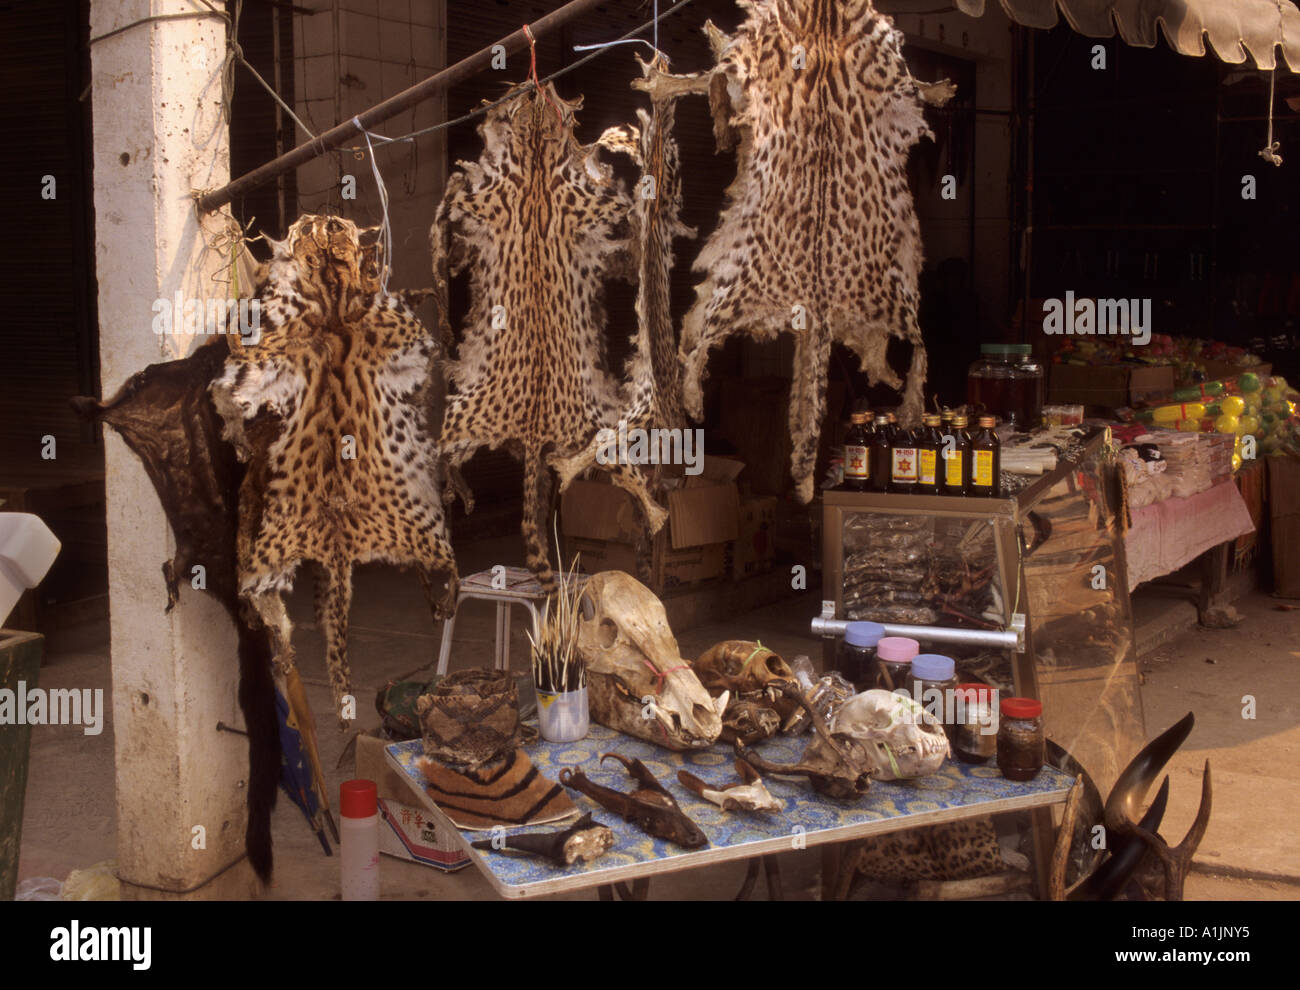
[(611, 44), (385, 230), (630, 41), (1269, 152)]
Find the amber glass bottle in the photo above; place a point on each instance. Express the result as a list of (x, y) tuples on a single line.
[(903, 462), (956, 458), (986, 461), (929, 441), (857, 453), (879, 478)]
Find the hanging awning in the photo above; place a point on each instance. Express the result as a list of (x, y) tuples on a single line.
[(1237, 29)]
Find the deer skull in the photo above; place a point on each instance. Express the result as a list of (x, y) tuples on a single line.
[(900, 738), (637, 681)]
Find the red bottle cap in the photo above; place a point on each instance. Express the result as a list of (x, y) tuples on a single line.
[(1021, 708), (358, 798)]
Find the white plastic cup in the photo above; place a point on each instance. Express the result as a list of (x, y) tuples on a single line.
[(359, 840), (563, 718)]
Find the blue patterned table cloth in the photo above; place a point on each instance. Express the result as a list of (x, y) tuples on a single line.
[(807, 819)]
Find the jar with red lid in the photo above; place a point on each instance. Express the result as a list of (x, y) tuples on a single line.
[(975, 732), (1022, 746)]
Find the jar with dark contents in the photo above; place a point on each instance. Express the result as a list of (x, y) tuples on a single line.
[(931, 682), (1022, 747), (858, 653), (975, 729), (894, 662)]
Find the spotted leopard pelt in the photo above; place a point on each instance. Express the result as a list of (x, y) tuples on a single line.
[(956, 851), (330, 409), (652, 387), (541, 223), (819, 237)]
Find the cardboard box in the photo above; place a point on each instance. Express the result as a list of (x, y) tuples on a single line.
[(602, 522), (406, 831), (1108, 386), (755, 537)]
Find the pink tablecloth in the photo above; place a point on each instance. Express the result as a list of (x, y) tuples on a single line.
[(1168, 535)]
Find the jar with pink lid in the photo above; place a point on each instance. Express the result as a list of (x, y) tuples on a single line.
[(894, 662)]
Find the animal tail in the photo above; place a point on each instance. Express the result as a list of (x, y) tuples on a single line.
[(537, 506), (333, 605), (257, 702)]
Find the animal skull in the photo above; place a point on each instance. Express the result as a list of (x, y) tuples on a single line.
[(900, 738), (637, 681), (752, 674), (741, 667)]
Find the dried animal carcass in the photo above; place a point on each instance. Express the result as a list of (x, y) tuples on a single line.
[(166, 416), (819, 237), (651, 396), (637, 681), (329, 408), (650, 807), (540, 222)]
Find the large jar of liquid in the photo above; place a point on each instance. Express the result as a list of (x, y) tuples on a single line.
[(1007, 383), (990, 380)]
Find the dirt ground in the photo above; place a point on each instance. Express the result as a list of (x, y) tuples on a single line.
[(1248, 853)]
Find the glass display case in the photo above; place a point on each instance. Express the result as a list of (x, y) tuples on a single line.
[(1045, 564)]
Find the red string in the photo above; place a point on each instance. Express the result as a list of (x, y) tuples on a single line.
[(661, 675), (532, 72)]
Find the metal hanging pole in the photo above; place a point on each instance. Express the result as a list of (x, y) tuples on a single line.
[(392, 106)]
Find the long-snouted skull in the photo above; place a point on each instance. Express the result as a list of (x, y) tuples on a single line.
[(899, 737), (637, 681)]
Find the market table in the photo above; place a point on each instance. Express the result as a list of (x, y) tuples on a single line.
[(808, 819)]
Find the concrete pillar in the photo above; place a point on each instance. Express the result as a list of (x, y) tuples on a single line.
[(159, 136)]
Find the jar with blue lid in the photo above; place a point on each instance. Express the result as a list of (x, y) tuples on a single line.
[(858, 653), (931, 673)]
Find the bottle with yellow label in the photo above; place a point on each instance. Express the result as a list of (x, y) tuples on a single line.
[(929, 441), (986, 461), (955, 455)]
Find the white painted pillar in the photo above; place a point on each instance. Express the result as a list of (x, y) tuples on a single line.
[(159, 136)]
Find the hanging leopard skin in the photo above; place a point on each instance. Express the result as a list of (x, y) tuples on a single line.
[(540, 223), (819, 237), (330, 410)]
